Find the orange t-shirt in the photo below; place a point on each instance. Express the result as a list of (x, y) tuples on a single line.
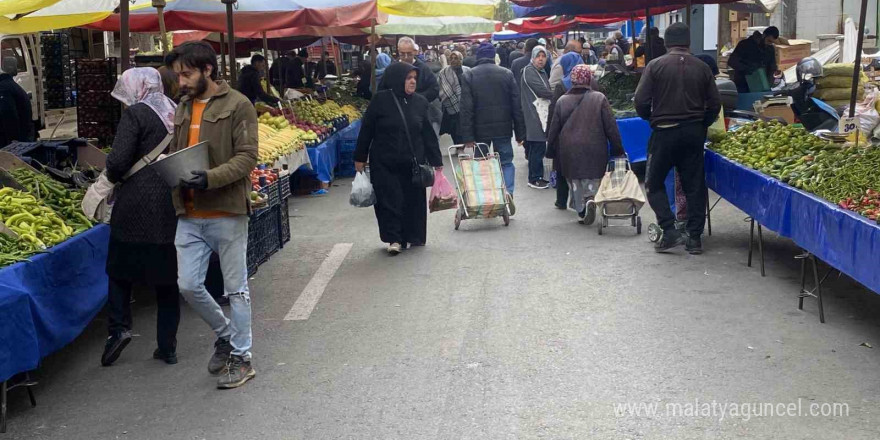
[(195, 126)]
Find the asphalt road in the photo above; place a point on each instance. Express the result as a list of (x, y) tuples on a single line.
[(542, 329)]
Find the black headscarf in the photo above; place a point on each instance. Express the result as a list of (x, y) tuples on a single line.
[(394, 78)]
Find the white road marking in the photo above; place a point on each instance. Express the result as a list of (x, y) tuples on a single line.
[(310, 295)]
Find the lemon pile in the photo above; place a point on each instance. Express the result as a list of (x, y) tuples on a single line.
[(352, 113)]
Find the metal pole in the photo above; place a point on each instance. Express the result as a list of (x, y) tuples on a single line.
[(632, 31), (649, 52), (265, 48), (222, 57), (374, 48), (857, 65), (125, 44), (160, 10), (230, 26), (91, 44)]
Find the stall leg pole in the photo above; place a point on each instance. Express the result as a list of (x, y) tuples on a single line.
[(708, 210), (3, 407), (751, 241), (688, 16), (125, 43), (91, 44), (801, 295), (160, 11), (230, 25), (816, 268), (374, 48), (222, 56), (761, 248), (857, 64), (649, 54)]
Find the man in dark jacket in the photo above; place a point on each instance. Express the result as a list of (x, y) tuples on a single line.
[(296, 73), (677, 94), (503, 54), (658, 47), (15, 106), (490, 109), (752, 54), (325, 67), (427, 82), (471, 59), (518, 53)]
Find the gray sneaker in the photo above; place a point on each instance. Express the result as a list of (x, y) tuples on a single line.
[(222, 350), (238, 371)]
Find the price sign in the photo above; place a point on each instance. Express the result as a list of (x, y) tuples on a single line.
[(848, 125)]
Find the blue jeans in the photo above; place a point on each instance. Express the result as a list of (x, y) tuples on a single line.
[(504, 148), (196, 239), (536, 160)]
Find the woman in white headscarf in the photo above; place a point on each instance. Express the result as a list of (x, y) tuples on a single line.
[(143, 223)]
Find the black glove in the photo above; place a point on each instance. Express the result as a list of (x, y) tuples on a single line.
[(199, 180)]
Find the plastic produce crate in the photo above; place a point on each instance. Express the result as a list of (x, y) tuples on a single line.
[(284, 227), (284, 186), (264, 238), (346, 165), (272, 193)]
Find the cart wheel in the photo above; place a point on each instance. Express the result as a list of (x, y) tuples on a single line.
[(457, 219), (639, 225), (599, 226), (654, 232), (506, 216)]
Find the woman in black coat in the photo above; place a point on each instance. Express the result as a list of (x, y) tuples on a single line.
[(401, 207), (143, 223)]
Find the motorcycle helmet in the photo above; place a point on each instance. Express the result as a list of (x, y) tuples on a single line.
[(808, 68)]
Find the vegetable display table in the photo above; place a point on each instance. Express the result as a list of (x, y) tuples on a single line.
[(46, 303), (325, 156), (843, 239)]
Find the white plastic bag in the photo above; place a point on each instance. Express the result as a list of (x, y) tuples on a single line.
[(362, 195), (866, 110)]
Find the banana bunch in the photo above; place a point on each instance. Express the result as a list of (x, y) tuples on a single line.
[(277, 143), (352, 113)]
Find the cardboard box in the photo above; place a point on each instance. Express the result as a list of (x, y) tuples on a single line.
[(791, 54), (744, 29), (732, 16), (778, 109)]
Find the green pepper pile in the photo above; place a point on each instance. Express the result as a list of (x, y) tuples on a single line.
[(66, 202), (36, 224), (794, 156)]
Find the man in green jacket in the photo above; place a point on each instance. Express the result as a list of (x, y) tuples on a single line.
[(213, 205)]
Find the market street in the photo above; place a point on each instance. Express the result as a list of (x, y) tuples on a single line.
[(538, 330)]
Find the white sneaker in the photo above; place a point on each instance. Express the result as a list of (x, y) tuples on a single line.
[(394, 248)]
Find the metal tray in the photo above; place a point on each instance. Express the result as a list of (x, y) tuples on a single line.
[(179, 165)]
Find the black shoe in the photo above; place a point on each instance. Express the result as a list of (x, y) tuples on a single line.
[(238, 371), (590, 216), (114, 346), (539, 184), (694, 245), (169, 358), (558, 206), (671, 239), (222, 350)]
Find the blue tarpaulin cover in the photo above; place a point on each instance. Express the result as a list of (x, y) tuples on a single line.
[(325, 156), (47, 302), (839, 237)]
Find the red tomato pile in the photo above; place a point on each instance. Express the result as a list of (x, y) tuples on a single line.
[(868, 205), (270, 175)]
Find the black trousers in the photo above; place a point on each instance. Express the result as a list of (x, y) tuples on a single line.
[(681, 148), (167, 315), (401, 207), (561, 189)]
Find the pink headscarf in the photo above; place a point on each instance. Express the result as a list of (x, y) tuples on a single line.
[(581, 75), (144, 84)]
